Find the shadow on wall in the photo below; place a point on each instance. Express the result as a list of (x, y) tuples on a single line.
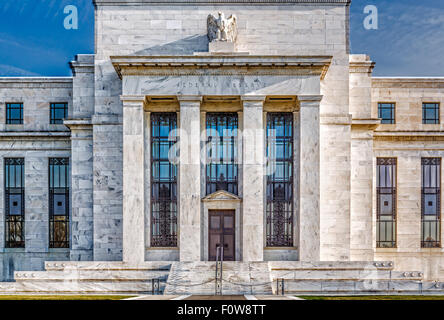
[(186, 46)]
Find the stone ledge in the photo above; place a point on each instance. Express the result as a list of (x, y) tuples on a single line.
[(36, 82), (407, 82)]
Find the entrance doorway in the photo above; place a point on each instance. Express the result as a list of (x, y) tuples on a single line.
[(221, 231)]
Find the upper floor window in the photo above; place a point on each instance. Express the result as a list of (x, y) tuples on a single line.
[(163, 180), (386, 202), (431, 202), (386, 111), (430, 113), (59, 202), (58, 112), (15, 202), (221, 168), (279, 210), (14, 113)]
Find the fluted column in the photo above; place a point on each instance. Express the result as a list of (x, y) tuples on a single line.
[(309, 184), (253, 178), (133, 180), (189, 178)]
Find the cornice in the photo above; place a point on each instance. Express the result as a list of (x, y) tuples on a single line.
[(35, 82), (4, 135), (98, 3), (362, 67), (409, 135), (399, 82), (220, 65)]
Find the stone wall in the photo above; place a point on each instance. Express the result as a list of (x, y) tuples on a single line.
[(36, 141), (408, 140)]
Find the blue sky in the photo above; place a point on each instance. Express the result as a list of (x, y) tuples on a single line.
[(408, 42)]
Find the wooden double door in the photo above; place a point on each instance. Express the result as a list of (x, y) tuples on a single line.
[(221, 232)]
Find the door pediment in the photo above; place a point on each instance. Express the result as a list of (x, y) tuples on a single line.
[(221, 195)]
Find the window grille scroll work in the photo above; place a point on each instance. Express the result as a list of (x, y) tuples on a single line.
[(279, 189), (163, 180), (14, 203), (431, 202)]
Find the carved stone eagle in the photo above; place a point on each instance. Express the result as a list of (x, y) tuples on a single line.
[(222, 29)]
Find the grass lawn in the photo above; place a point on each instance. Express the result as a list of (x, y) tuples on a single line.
[(373, 297), (62, 297)]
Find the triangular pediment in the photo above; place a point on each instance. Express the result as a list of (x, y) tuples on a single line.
[(221, 195)]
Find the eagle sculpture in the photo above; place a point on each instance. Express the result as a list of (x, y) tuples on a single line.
[(222, 29)]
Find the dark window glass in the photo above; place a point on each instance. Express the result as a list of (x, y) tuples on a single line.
[(279, 209), (431, 202), (59, 203), (163, 180), (14, 202), (58, 112), (386, 111), (221, 166), (430, 113), (14, 113), (386, 203)]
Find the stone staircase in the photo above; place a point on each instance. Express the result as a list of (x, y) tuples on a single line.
[(89, 278), (198, 278), (238, 278)]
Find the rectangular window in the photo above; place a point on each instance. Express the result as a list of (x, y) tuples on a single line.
[(58, 112), (386, 203), (163, 180), (59, 202), (430, 113), (14, 113), (221, 144), (14, 202), (386, 111), (431, 202), (279, 211)]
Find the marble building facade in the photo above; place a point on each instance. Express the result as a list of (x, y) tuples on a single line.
[(154, 66)]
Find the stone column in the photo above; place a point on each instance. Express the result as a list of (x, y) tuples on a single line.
[(253, 178), (309, 183), (189, 179), (133, 180)]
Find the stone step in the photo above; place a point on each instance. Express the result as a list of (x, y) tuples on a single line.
[(107, 265), (345, 274), (339, 286), (238, 278), (73, 274), (79, 286), (330, 265)]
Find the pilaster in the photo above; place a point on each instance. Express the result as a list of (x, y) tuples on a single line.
[(253, 178), (309, 183), (189, 179), (133, 180)]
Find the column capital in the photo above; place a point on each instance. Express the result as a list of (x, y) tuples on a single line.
[(310, 98), (190, 98), (129, 100), (253, 98)]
